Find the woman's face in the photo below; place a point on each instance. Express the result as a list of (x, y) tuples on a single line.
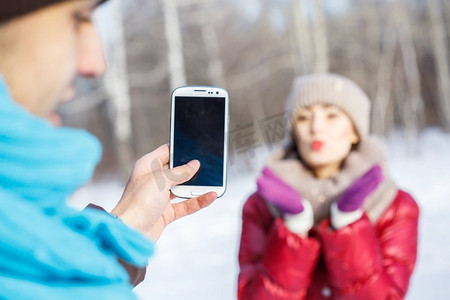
[(324, 135)]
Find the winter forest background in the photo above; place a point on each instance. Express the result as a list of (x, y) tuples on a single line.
[(397, 50)]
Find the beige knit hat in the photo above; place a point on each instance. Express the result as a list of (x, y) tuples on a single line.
[(336, 90)]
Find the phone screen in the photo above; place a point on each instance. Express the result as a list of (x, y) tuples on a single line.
[(199, 132)]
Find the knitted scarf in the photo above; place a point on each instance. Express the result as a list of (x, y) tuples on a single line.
[(47, 249), (322, 192)]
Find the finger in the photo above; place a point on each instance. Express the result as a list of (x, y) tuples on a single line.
[(374, 176), (268, 174), (172, 196), (182, 173), (153, 161), (193, 205), (375, 170), (261, 183), (164, 154)]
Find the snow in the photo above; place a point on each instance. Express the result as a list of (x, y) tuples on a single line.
[(196, 257), (427, 177)]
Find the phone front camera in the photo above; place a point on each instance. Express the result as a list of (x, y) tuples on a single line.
[(217, 93)]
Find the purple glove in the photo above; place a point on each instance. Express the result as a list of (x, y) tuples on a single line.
[(277, 192), (353, 198)]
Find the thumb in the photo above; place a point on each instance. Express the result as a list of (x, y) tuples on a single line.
[(182, 173), (373, 177)]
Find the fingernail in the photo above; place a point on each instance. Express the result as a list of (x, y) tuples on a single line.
[(194, 163)]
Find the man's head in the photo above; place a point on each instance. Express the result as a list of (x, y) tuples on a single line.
[(44, 49), (13, 9)]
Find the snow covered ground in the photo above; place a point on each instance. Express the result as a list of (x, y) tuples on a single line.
[(196, 257)]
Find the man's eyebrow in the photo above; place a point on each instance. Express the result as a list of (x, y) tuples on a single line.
[(96, 3), (85, 6), (90, 5)]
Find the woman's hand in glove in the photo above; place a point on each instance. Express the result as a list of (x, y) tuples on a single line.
[(297, 212), (348, 207)]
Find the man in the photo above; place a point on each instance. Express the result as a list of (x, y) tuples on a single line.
[(48, 250)]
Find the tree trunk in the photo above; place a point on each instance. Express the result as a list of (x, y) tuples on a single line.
[(116, 82), (372, 51), (177, 72), (381, 103), (215, 64), (412, 108), (356, 55), (441, 61), (320, 38), (302, 39)]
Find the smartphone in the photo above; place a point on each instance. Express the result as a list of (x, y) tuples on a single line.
[(199, 130)]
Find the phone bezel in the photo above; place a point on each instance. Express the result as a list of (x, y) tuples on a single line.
[(191, 191)]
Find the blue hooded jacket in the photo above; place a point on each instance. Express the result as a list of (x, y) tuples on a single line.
[(47, 249)]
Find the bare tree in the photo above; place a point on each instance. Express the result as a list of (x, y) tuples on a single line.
[(383, 45), (302, 38), (440, 50), (174, 44), (384, 78), (412, 112), (116, 82), (215, 64), (356, 59), (260, 73), (372, 51), (320, 38)]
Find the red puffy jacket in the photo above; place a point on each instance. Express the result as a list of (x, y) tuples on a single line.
[(359, 261)]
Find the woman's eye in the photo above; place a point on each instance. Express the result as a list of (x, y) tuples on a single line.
[(301, 118), (332, 115)]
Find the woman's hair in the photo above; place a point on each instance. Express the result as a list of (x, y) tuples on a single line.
[(291, 149)]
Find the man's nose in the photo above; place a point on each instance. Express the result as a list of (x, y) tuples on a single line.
[(91, 61)]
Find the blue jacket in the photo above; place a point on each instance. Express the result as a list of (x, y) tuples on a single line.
[(47, 249)]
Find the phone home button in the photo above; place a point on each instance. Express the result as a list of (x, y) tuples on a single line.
[(196, 194)]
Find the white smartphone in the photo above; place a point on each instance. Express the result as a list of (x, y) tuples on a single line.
[(199, 130)]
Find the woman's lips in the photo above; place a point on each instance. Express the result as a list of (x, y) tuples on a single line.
[(316, 145)]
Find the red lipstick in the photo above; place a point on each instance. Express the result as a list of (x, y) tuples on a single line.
[(316, 145)]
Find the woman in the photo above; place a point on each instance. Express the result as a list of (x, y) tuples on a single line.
[(327, 222)]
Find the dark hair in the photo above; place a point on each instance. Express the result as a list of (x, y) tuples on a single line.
[(12, 9), (291, 149)]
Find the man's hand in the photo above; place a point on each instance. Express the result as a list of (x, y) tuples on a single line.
[(145, 204)]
